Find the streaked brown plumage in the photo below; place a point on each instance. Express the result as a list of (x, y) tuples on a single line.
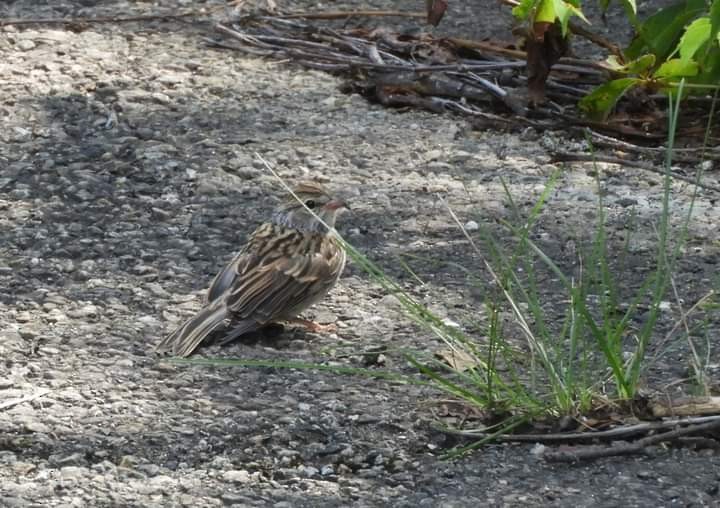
[(287, 265)]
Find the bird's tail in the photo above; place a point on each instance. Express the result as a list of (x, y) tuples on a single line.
[(184, 340)]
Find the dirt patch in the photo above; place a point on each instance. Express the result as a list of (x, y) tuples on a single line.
[(127, 178)]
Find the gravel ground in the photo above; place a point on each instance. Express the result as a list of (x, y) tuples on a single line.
[(127, 178)]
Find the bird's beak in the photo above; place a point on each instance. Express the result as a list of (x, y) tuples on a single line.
[(336, 204)]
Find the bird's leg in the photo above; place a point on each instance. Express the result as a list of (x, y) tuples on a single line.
[(314, 327)]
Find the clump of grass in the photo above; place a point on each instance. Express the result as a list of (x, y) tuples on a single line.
[(593, 352)]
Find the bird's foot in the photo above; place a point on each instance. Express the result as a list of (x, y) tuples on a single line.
[(314, 327)]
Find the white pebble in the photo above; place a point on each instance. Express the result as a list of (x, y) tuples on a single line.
[(471, 226)]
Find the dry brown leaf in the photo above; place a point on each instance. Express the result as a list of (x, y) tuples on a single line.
[(458, 360)]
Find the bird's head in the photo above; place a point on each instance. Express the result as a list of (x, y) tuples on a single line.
[(291, 213)]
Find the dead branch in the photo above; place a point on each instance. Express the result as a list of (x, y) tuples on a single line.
[(204, 12), (693, 155), (434, 104), (487, 47), (521, 55), (106, 19), (590, 453), (438, 75), (350, 14), (618, 433), (286, 45), (560, 156), (618, 128), (434, 84), (596, 39), (686, 406), (245, 49)]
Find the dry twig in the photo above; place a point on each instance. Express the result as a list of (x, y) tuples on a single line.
[(330, 15), (686, 406), (104, 19), (691, 155), (590, 453), (615, 434), (680, 428), (450, 74), (560, 156), (27, 398)]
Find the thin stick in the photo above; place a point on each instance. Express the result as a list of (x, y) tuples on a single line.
[(14, 402), (102, 19), (595, 38), (350, 14), (584, 157), (534, 344), (516, 53), (707, 405), (281, 44), (245, 49), (486, 46), (591, 453), (681, 321), (570, 437), (684, 154)]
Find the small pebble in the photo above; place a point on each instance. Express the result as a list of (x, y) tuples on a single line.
[(308, 471), (236, 476), (25, 45), (471, 226)]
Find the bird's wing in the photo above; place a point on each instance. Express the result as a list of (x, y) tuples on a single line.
[(222, 281), (250, 255), (278, 272)]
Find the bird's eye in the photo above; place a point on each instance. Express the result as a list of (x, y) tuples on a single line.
[(310, 204)]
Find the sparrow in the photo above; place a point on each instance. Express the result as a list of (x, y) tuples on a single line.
[(287, 265)]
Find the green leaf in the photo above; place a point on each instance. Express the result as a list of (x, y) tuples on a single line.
[(598, 103), (636, 66), (563, 13), (548, 11), (631, 11), (577, 12), (715, 20), (631, 6), (545, 12), (641, 64), (696, 34), (661, 31), (523, 9), (677, 68), (563, 10)]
